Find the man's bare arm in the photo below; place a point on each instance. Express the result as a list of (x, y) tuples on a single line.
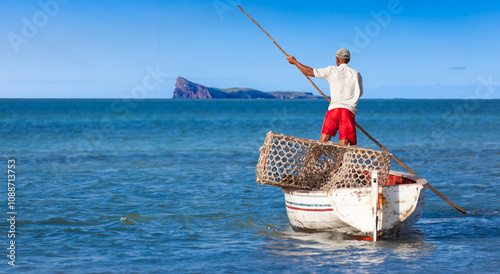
[(305, 69)]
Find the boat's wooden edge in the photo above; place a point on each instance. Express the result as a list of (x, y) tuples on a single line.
[(416, 178)]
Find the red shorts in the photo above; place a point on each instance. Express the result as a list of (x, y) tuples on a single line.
[(340, 119)]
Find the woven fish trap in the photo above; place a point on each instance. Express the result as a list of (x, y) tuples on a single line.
[(288, 161)]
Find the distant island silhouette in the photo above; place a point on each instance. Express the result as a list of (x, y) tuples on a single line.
[(185, 89)]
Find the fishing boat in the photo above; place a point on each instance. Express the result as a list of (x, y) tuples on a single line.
[(348, 190), (398, 204)]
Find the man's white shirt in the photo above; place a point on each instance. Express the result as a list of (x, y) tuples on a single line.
[(346, 86)]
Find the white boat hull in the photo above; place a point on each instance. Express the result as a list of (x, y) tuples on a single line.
[(350, 211)]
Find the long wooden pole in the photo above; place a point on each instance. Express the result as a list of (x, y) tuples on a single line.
[(362, 129)]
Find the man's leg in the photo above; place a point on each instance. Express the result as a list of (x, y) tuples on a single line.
[(347, 128), (325, 137), (344, 142)]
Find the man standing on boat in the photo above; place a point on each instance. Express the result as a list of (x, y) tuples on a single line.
[(346, 86)]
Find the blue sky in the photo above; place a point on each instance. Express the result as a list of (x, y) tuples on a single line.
[(122, 49)]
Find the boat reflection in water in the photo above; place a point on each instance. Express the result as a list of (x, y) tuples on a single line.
[(337, 249)]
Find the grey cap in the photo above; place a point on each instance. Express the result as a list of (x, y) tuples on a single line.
[(343, 53)]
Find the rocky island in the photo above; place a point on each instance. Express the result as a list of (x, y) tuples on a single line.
[(185, 89)]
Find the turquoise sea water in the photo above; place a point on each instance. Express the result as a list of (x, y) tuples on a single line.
[(169, 186)]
